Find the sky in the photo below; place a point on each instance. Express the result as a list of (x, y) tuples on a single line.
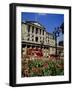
[(49, 21)]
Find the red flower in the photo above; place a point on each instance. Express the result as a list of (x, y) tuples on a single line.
[(45, 65)]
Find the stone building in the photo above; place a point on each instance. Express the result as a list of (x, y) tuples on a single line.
[(35, 36)]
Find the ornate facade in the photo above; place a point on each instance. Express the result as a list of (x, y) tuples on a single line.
[(35, 36)]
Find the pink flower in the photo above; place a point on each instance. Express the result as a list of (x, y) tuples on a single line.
[(45, 65)]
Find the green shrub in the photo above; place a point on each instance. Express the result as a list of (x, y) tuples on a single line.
[(46, 68)]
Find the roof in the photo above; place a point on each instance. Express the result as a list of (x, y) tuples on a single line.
[(37, 24), (34, 23)]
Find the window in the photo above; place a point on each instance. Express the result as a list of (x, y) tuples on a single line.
[(40, 31), (36, 30), (32, 39), (36, 39), (40, 39), (28, 39), (43, 32), (32, 29), (32, 36), (28, 28)]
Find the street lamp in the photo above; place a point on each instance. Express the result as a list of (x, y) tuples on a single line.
[(42, 44), (56, 34), (62, 28)]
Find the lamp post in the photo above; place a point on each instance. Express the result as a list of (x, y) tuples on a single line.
[(56, 34), (41, 44), (62, 28)]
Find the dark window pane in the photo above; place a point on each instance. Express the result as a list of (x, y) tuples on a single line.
[(33, 29), (32, 39), (36, 30), (28, 28), (40, 31), (43, 32), (36, 39), (28, 39)]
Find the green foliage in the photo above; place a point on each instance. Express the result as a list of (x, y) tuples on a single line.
[(33, 74), (46, 68), (35, 63), (46, 72)]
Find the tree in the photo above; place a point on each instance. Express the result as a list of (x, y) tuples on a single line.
[(62, 27)]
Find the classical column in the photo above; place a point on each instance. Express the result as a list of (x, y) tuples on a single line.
[(34, 33), (38, 35), (30, 33)]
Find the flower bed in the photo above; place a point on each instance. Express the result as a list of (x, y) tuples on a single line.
[(42, 68)]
